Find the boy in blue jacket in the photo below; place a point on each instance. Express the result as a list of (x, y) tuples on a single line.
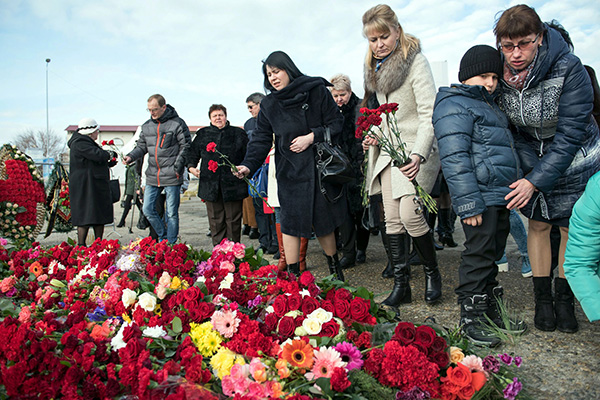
[(479, 162)]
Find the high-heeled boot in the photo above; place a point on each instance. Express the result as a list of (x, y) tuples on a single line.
[(302, 257), (564, 306), (399, 251), (334, 266), (388, 272), (433, 278), (544, 318), (281, 265)]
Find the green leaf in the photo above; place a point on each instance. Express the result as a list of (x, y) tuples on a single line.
[(65, 363)]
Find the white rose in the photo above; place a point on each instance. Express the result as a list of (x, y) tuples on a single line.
[(322, 315), (312, 325), (300, 331), (293, 313), (269, 309), (128, 297), (305, 292), (117, 341), (226, 282), (147, 301)]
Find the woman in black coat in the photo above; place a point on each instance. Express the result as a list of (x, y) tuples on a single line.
[(221, 191), (297, 112), (91, 200)]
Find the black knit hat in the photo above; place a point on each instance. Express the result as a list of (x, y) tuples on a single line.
[(480, 59)]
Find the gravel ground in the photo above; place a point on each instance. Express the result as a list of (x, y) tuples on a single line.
[(555, 365)]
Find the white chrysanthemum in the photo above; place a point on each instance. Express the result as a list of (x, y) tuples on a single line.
[(154, 332), (128, 262), (117, 341)]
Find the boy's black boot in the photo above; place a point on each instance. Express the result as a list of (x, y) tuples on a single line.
[(544, 319), (433, 278), (564, 306), (473, 321), (508, 323), (401, 292), (334, 266)]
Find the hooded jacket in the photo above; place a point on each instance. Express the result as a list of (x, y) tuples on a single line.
[(556, 136), (167, 141), (478, 156)]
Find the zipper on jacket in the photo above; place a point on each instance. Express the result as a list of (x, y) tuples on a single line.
[(156, 154)]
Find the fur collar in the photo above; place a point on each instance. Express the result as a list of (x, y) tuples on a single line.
[(392, 74)]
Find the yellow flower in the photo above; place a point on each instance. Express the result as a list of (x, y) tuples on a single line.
[(126, 318), (175, 283), (158, 310), (456, 355), (207, 340), (223, 360)]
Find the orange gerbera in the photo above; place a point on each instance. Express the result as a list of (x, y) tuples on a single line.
[(298, 353), (36, 269)]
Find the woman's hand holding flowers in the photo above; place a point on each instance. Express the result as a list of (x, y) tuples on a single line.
[(411, 169), (242, 171)]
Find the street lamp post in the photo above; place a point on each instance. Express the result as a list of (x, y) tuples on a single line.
[(47, 119)]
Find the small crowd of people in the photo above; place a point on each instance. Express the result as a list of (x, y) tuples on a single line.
[(516, 133)]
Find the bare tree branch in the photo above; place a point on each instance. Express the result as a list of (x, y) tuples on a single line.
[(51, 143)]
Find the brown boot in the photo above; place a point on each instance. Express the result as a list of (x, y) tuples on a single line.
[(302, 257), (282, 265)]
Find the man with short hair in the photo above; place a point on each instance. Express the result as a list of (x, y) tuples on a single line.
[(166, 138)]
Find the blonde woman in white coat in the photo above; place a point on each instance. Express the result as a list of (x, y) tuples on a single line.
[(397, 72)]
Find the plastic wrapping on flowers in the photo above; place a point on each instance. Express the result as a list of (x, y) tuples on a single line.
[(152, 320)]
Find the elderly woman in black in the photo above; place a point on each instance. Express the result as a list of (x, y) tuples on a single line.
[(547, 95), (91, 200), (222, 193), (297, 111)]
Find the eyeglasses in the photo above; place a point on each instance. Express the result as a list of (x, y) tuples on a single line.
[(522, 45), (153, 109), (250, 107)]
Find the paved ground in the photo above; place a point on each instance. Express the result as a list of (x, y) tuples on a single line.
[(555, 365)]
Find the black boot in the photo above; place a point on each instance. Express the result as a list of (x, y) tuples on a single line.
[(348, 260), (544, 319), (564, 305), (334, 267), (388, 272), (473, 321), (294, 268), (433, 279), (506, 323), (445, 227), (399, 250)]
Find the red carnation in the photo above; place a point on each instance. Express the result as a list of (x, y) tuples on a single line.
[(339, 380), (213, 165), (211, 147)]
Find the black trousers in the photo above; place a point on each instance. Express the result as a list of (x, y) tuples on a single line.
[(266, 225), (484, 244), (353, 235)]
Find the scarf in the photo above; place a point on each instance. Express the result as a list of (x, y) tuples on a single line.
[(518, 79)]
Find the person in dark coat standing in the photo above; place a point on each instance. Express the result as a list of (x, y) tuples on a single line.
[(91, 201), (132, 185), (298, 110), (221, 191)]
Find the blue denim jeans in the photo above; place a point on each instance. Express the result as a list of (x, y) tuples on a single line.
[(518, 232), (170, 229)]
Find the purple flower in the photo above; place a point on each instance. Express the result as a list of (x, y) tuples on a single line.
[(112, 269), (512, 389), (350, 354), (202, 268), (491, 364), (414, 394), (518, 361), (505, 358), (256, 301)]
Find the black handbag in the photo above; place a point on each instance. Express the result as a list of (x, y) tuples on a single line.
[(333, 166), (115, 190)]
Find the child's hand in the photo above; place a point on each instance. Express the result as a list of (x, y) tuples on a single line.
[(475, 220)]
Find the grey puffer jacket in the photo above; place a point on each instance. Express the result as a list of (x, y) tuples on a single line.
[(167, 141), (556, 136), (477, 151)]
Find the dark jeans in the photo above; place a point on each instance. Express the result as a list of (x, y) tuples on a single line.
[(266, 225), (484, 244), (353, 235), (225, 220)]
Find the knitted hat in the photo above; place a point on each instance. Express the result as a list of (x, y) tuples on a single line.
[(87, 126), (480, 59)]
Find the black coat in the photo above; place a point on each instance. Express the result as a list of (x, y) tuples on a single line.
[(352, 147), (91, 202), (231, 141), (304, 106)]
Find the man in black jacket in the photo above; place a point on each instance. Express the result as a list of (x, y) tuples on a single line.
[(166, 139)]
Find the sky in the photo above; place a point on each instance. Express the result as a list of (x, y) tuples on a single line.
[(109, 56)]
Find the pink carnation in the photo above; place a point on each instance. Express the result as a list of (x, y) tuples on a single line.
[(474, 363)]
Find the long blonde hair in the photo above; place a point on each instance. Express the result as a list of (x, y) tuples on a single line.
[(382, 19)]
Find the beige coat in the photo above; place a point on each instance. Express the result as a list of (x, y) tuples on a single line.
[(408, 82)]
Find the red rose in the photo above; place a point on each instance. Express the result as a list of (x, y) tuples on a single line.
[(286, 326), (359, 309), (111, 143), (327, 305), (339, 380), (294, 302), (271, 321), (211, 147), (459, 375), (343, 294), (280, 305), (309, 304), (306, 278), (441, 359), (342, 309), (213, 165), (405, 333), (425, 335), (466, 392), (193, 293), (330, 329), (439, 344)]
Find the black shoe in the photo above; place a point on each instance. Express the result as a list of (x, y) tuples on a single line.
[(506, 323), (121, 224), (433, 279), (334, 267), (347, 261), (544, 318), (564, 306), (209, 234), (473, 321), (246, 230), (272, 249), (388, 272), (448, 240), (438, 246), (253, 234), (361, 256)]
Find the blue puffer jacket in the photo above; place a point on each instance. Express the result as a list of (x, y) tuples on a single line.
[(556, 136), (478, 157)]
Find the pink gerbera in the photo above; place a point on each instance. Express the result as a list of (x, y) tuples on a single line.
[(326, 360), (350, 355), (225, 322)]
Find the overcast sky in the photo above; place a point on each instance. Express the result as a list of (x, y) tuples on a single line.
[(108, 56)]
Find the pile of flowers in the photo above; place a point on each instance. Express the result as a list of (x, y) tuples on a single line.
[(157, 321), (22, 196)]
